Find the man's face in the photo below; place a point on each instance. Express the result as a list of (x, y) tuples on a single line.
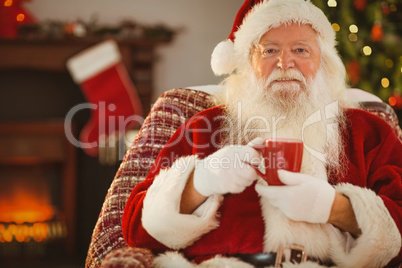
[(287, 48)]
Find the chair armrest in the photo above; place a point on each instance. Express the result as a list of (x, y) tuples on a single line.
[(385, 112), (128, 257)]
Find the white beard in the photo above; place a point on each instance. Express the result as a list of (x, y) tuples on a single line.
[(258, 108)]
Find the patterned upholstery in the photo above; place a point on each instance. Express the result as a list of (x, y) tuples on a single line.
[(128, 257), (385, 112), (168, 113)]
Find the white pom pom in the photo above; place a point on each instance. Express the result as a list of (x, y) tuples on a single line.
[(223, 59)]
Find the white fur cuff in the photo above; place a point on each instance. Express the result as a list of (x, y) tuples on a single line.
[(380, 240), (161, 217)]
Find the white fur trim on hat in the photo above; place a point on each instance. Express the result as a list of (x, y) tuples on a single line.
[(380, 240), (161, 217)]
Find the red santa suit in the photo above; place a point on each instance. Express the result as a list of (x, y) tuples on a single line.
[(246, 223)]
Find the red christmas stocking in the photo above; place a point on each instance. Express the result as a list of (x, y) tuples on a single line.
[(112, 97)]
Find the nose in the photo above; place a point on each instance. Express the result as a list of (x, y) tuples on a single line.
[(285, 60)]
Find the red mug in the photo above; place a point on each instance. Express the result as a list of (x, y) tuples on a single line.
[(277, 154)]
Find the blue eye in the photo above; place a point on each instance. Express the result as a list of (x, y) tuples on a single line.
[(300, 50), (268, 51)]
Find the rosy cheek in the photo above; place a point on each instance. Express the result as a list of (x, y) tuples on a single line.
[(267, 68), (259, 69), (311, 69)]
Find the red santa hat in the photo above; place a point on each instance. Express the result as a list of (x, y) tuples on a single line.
[(255, 18)]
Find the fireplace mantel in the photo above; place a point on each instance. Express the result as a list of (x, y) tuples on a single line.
[(138, 56)]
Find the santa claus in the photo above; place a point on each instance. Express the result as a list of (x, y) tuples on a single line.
[(203, 204)]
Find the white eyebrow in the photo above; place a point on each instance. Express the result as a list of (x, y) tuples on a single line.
[(269, 43), (294, 43), (302, 43)]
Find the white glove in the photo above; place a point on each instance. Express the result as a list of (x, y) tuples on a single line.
[(226, 171), (302, 198)]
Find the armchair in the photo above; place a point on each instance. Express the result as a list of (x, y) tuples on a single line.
[(174, 107), (171, 110)]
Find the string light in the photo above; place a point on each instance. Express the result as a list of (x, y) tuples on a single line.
[(353, 28), (367, 51), (389, 63), (385, 82), (20, 17), (392, 101), (8, 3), (332, 3), (336, 27), (353, 37)]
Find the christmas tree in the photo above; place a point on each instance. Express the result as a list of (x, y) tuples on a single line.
[(369, 42)]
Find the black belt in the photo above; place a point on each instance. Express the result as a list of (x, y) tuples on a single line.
[(258, 259), (293, 254)]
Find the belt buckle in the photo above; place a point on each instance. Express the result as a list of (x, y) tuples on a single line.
[(293, 254)]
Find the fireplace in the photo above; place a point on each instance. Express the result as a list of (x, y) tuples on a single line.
[(37, 190), (34, 151)]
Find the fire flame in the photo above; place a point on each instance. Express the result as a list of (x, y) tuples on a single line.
[(26, 201), (26, 213), (38, 232)]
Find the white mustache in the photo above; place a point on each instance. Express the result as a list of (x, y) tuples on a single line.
[(289, 74)]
